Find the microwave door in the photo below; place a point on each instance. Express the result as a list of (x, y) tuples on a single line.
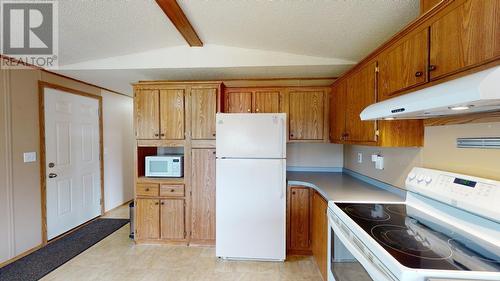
[(158, 168)]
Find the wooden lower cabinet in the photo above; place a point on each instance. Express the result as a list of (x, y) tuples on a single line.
[(299, 213), (203, 196), (319, 232), (160, 219), (307, 225), (172, 219), (147, 219)]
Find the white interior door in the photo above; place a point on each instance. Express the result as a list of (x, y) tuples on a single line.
[(73, 177), (250, 208)]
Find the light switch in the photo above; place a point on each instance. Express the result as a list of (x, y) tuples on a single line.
[(360, 157), (29, 157)]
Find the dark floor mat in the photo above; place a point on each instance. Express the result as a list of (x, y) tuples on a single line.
[(41, 262)]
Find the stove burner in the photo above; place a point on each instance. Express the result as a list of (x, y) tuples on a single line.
[(361, 211), (409, 241)]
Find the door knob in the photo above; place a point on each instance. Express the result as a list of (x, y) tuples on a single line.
[(52, 175)]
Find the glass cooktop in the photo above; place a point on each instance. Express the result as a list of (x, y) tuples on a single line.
[(418, 241)]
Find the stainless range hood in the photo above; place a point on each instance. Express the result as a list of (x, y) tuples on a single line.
[(478, 92)]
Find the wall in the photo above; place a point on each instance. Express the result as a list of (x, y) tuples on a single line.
[(118, 149), (20, 198), (439, 152), (314, 155)]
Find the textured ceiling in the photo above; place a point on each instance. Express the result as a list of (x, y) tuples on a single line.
[(90, 29), (93, 31), (324, 28)]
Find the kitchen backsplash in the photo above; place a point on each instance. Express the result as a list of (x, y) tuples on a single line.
[(439, 152), (315, 155)]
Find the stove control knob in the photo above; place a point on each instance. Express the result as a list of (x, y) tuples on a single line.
[(420, 178), (428, 180), (412, 176)]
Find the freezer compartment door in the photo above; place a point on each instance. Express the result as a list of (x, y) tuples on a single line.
[(250, 200), (251, 135)]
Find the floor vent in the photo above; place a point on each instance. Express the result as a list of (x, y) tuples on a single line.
[(490, 143)]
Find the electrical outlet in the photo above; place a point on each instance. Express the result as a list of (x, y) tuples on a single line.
[(360, 157), (379, 164)]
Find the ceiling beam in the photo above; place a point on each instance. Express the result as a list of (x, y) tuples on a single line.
[(174, 12)]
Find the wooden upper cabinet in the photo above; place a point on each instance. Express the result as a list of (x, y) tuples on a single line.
[(338, 111), (306, 114), (147, 114), (172, 219), (266, 101), (361, 92), (404, 65), (172, 114), (203, 110), (466, 36), (148, 218), (203, 194), (238, 102)]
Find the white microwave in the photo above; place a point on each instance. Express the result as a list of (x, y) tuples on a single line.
[(168, 166)]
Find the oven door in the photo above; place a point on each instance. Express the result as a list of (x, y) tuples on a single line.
[(347, 259)]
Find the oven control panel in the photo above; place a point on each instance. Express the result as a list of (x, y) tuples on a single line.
[(473, 194)]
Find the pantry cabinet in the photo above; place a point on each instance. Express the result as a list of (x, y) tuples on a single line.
[(299, 212), (203, 196), (403, 66), (159, 114), (464, 36), (147, 114), (306, 114), (172, 114), (204, 104)]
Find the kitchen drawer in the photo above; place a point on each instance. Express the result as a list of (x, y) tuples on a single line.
[(172, 190), (148, 189)]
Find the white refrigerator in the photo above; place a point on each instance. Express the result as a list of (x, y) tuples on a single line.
[(251, 186)]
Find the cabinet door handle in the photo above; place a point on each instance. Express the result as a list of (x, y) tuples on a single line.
[(156, 135), (293, 192), (162, 135), (432, 67), (257, 110), (248, 110), (419, 73), (163, 203), (147, 189), (172, 190), (213, 135), (156, 203)]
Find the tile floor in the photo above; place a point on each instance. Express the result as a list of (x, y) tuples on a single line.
[(118, 258)]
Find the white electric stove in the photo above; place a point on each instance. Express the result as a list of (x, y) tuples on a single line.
[(448, 229)]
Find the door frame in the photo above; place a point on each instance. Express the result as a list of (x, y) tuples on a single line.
[(42, 85)]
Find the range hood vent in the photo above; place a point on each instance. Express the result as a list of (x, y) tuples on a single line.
[(478, 92)]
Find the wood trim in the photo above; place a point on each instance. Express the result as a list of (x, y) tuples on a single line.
[(174, 12), (20, 256), (483, 117), (117, 207), (61, 75), (41, 112), (236, 79)]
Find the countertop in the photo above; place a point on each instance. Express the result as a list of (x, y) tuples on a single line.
[(342, 187)]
